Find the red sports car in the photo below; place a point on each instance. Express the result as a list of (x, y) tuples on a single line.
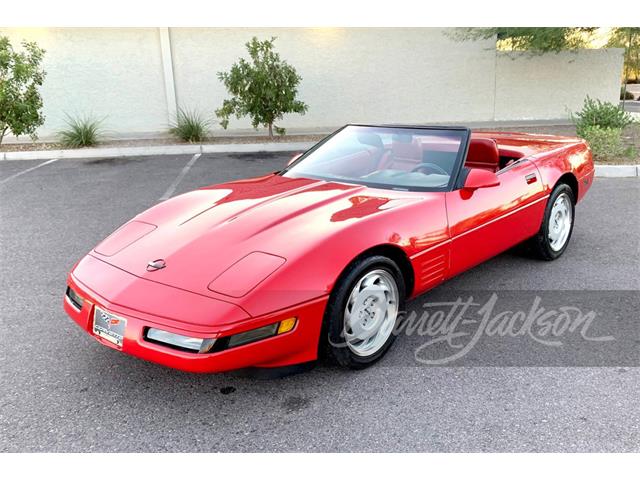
[(264, 272)]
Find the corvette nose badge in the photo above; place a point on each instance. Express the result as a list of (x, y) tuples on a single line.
[(156, 265)]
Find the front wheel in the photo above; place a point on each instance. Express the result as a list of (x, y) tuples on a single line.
[(363, 311), (557, 226)]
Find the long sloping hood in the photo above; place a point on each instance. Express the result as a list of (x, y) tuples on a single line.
[(200, 234)]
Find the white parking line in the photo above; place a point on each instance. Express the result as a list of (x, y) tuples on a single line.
[(176, 182), (16, 175)]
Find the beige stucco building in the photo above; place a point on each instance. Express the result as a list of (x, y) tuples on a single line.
[(136, 77)]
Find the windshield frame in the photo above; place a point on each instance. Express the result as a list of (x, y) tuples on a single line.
[(451, 185)]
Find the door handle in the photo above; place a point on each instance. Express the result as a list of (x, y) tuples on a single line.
[(531, 178)]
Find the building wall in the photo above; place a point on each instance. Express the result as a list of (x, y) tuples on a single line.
[(114, 73), (349, 74), (549, 86), (390, 75)]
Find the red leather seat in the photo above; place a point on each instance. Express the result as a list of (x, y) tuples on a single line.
[(483, 153), (405, 155)]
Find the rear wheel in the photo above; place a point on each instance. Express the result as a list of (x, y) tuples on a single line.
[(363, 311), (557, 226)]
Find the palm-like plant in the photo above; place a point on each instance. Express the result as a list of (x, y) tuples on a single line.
[(81, 132), (190, 126)]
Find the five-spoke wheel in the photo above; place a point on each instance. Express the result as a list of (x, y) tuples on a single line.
[(363, 311), (557, 224), (560, 222), (371, 312)]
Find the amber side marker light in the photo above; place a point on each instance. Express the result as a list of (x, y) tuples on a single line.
[(287, 325)]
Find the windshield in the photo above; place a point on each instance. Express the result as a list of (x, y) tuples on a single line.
[(386, 157)]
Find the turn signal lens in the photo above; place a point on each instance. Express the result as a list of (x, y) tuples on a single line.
[(287, 325), (253, 335), (262, 333), (75, 299)]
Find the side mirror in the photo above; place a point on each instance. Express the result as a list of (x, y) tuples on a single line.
[(480, 178), (294, 158)]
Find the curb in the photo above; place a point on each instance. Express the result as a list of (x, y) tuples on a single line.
[(155, 150), (617, 171)]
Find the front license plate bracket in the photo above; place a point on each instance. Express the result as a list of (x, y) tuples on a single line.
[(109, 326)]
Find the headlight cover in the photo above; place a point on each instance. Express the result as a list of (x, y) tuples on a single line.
[(123, 237), (245, 275)]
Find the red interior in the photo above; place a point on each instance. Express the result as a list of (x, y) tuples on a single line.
[(406, 152), (483, 153)]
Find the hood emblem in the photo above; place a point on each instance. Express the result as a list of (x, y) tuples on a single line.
[(154, 265)]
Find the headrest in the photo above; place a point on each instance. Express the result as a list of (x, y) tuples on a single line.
[(405, 146), (372, 139), (483, 151)]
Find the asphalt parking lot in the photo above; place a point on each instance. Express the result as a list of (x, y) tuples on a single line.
[(62, 391)]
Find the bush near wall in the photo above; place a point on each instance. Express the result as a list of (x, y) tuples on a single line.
[(81, 132), (606, 143), (601, 124), (190, 126), (596, 113)]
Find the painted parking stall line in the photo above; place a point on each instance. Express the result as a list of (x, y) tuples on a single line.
[(178, 179), (23, 172)]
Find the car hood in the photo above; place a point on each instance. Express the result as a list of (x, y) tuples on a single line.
[(201, 234)]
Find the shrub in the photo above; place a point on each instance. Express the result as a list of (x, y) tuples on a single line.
[(600, 114), (20, 80), (626, 94), (264, 88), (81, 132), (606, 143), (190, 126)]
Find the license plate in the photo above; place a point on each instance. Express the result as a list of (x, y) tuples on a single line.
[(109, 326)]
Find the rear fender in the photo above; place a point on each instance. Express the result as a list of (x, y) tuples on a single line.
[(574, 162)]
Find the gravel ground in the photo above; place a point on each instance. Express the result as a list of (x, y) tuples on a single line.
[(631, 137), (222, 139)]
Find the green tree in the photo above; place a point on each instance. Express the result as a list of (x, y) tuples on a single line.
[(536, 40), (629, 39), (265, 88), (21, 76)]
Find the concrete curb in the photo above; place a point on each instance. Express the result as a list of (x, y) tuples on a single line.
[(615, 171), (155, 150)]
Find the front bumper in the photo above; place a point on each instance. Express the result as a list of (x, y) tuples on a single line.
[(297, 346)]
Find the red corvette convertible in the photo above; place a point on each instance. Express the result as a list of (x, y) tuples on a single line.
[(321, 256)]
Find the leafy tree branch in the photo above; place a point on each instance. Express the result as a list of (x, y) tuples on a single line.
[(535, 40)]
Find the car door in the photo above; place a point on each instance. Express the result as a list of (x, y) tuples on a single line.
[(487, 221)]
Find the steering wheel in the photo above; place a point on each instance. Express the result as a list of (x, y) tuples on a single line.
[(433, 166)]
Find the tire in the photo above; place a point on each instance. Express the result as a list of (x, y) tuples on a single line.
[(373, 306), (548, 244)]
